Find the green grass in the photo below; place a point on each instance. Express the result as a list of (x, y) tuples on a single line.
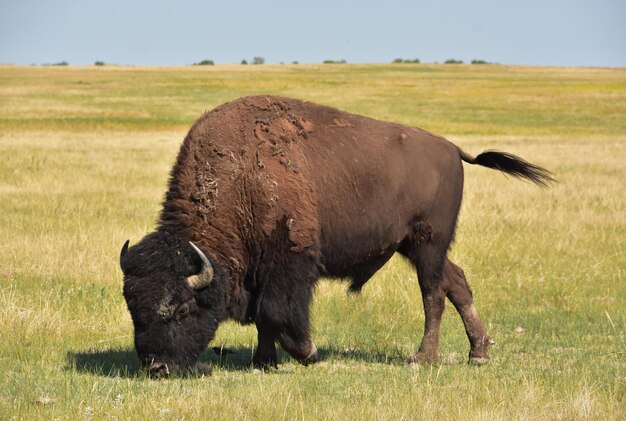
[(85, 155)]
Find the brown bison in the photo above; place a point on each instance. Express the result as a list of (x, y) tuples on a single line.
[(268, 194)]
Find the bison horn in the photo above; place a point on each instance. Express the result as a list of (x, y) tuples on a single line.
[(122, 254), (204, 278)]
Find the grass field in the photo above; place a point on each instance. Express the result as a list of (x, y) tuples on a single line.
[(84, 159)]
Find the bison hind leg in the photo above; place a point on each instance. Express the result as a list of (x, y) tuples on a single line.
[(459, 293), (427, 247)]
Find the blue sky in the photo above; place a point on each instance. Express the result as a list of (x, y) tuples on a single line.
[(529, 32)]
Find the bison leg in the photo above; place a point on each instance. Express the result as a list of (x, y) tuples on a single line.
[(434, 303), (461, 296), (283, 315), (289, 323), (265, 355), (429, 262)]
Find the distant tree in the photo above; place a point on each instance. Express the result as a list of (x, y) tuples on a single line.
[(99, 63), (295, 62), (258, 60), (453, 61), (479, 62), (334, 62), (205, 63), (244, 61), (400, 60), (60, 63)]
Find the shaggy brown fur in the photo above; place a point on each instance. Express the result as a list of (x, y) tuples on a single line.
[(278, 192)]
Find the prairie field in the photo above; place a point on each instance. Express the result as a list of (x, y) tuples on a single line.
[(85, 154)]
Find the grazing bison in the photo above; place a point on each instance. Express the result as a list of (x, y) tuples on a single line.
[(267, 195)]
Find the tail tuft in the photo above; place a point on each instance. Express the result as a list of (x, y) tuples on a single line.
[(513, 165)]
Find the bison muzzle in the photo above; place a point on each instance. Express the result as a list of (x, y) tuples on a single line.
[(267, 195)]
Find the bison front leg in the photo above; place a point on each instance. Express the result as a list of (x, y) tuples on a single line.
[(459, 293), (265, 355), (283, 315)]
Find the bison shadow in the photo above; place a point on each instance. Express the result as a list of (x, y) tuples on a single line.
[(233, 359), (108, 363), (124, 362)]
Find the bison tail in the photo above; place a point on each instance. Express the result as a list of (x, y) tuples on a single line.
[(511, 164)]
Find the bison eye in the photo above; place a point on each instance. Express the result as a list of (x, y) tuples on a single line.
[(182, 312)]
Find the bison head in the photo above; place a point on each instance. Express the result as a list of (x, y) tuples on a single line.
[(176, 299)]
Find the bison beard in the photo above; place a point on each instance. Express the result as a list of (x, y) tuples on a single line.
[(270, 193)]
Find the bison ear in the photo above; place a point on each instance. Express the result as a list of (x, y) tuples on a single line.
[(122, 254), (205, 276)]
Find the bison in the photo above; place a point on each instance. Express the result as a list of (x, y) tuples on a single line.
[(267, 195)]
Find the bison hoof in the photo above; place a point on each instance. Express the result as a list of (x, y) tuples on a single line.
[(478, 361), (479, 354), (264, 365), (158, 370), (423, 358), (311, 359)]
